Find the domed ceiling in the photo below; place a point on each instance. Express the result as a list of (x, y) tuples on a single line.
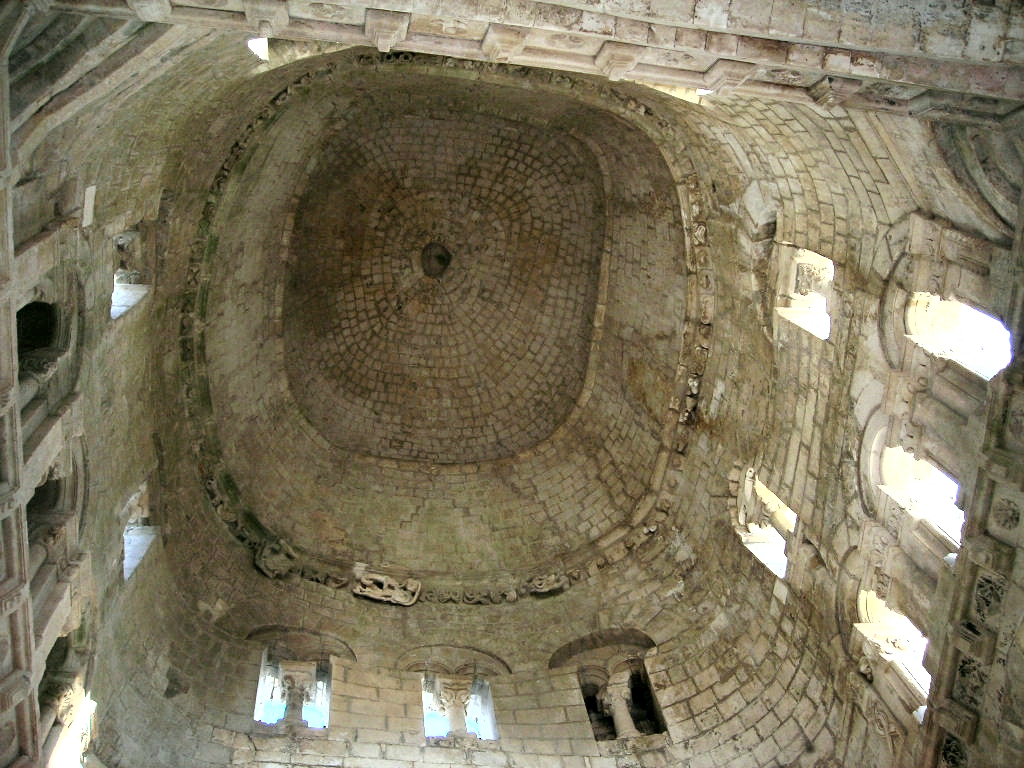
[(433, 304), (444, 273)]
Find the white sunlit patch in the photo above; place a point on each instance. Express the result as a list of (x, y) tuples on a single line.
[(948, 328), (260, 46), (923, 490)]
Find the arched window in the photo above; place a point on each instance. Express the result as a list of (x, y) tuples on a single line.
[(764, 524), (458, 706), (613, 681), (890, 643), (923, 490), (37, 327), (947, 328), (805, 289), (293, 692), (138, 534)]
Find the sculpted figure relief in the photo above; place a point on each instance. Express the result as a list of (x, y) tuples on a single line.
[(378, 586)]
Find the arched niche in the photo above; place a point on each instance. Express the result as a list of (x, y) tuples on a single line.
[(48, 330), (614, 684)]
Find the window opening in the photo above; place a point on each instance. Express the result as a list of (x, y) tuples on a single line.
[(642, 705), (293, 692), (138, 535), (129, 290), (36, 326), (454, 706), (435, 716), (765, 524), (924, 491), (806, 280), (893, 637), (593, 680), (950, 329)]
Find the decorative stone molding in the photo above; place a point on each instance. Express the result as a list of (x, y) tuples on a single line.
[(268, 17), (956, 719), (989, 553)]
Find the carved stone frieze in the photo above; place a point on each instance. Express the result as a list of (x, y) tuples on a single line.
[(987, 600), (952, 753), (970, 681), (387, 589), (1006, 513)]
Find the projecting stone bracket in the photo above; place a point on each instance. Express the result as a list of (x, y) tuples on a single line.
[(831, 91), (502, 42), (724, 76), (386, 29), (267, 16), (617, 59), (151, 10)]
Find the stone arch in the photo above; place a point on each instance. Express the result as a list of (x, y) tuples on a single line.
[(301, 644), (604, 638), (614, 683), (453, 660)]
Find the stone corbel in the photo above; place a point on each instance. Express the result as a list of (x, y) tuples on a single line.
[(502, 42), (832, 91), (13, 690), (724, 75), (386, 29), (268, 17), (617, 59), (151, 10), (973, 640)]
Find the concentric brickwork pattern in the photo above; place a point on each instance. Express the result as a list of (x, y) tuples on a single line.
[(487, 357)]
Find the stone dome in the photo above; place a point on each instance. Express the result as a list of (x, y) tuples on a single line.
[(427, 320), (442, 280)]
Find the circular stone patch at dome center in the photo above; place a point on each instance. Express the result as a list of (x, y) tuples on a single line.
[(434, 260), (443, 278)]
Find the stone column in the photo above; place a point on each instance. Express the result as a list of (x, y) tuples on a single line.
[(299, 679), (616, 700), (454, 697)]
